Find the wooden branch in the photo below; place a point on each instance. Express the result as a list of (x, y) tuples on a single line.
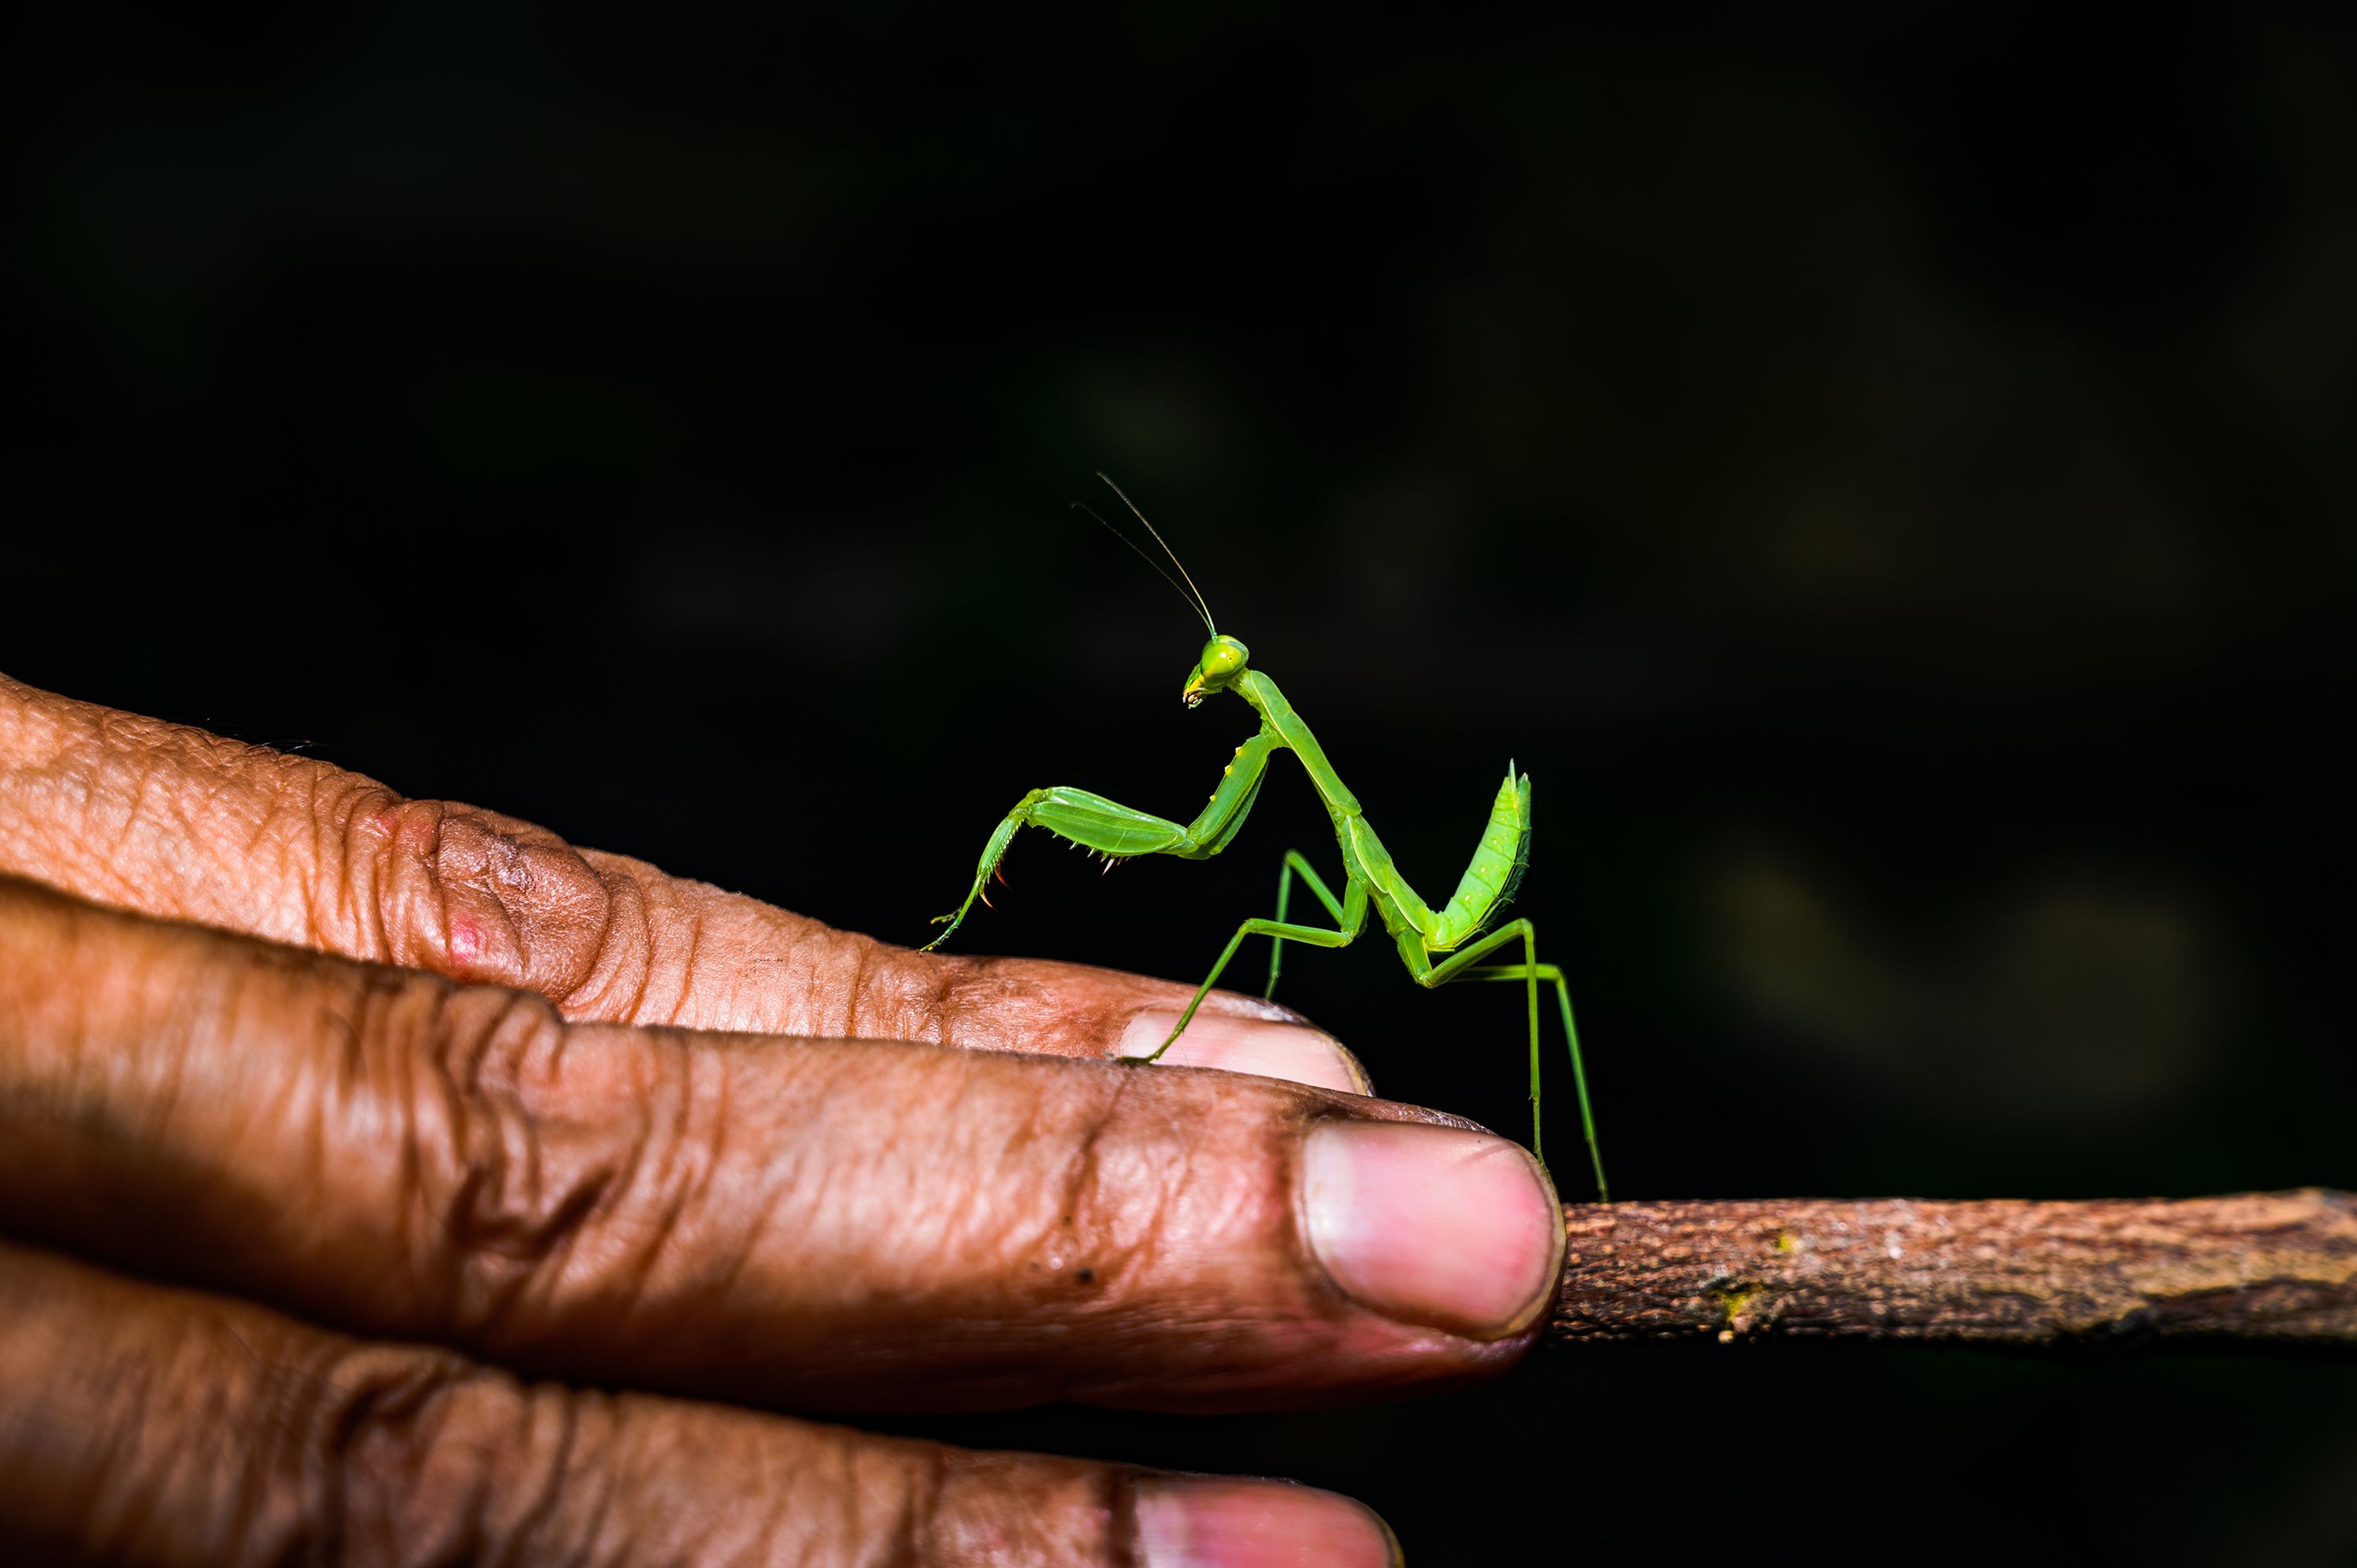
[(2272, 1269)]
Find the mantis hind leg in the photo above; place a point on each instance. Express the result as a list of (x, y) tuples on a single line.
[(1295, 861), (1461, 965)]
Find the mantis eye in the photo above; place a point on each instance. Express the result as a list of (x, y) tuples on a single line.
[(1223, 655)]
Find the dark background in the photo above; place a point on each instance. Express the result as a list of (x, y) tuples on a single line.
[(1888, 478)]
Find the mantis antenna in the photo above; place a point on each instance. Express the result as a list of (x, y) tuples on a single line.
[(1166, 548), (1150, 560), (1194, 600)]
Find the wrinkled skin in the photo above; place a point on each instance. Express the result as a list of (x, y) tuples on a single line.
[(348, 1142)]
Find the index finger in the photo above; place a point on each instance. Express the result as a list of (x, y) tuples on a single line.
[(175, 823)]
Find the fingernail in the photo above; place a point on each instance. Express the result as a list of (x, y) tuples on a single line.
[(1449, 1229), (1261, 1045), (1185, 1522)]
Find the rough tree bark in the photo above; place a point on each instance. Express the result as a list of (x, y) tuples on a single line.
[(2267, 1269)]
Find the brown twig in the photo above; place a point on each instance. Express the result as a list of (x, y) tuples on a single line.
[(2273, 1269)]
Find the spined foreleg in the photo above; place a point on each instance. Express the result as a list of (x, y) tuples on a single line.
[(1118, 831), (1089, 820)]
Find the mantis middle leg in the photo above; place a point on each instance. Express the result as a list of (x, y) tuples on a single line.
[(1351, 918), (1462, 965), (1294, 861)]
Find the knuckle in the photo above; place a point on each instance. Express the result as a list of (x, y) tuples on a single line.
[(372, 885), (419, 1455), (502, 1193), (478, 896)]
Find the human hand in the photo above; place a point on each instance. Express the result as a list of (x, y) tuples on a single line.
[(413, 1119)]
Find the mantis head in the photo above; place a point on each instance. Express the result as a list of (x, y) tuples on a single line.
[(1223, 659)]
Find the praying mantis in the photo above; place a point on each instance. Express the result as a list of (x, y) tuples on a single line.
[(1439, 946)]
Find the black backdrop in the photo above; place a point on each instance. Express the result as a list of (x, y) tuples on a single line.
[(1887, 480)]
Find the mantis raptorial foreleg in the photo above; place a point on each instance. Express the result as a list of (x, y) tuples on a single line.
[(1460, 965), (1119, 831), (1295, 861)]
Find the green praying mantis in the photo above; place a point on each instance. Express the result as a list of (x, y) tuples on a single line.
[(1439, 946)]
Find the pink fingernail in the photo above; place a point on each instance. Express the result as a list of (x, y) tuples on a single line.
[(1262, 1045), (1186, 1523), (1449, 1229)]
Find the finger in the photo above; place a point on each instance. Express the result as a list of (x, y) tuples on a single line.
[(165, 1426), (175, 823), (831, 1224)]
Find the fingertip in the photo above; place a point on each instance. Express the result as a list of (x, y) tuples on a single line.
[(1431, 1224), (1190, 1521), (1298, 1053)]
